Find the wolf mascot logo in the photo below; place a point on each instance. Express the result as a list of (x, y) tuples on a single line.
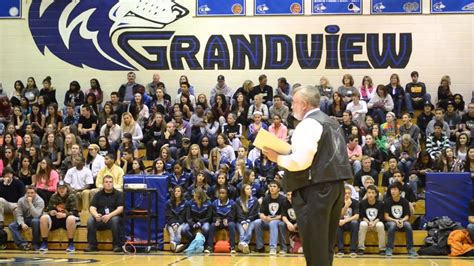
[(80, 31)]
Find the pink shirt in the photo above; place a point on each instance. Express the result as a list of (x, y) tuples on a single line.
[(53, 182), (356, 151), (281, 132)]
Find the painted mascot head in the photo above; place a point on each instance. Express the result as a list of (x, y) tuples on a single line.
[(80, 31)]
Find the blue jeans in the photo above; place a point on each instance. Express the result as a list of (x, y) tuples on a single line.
[(392, 228), (324, 105), (115, 224), (212, 231), (405, 168), (470, 229), (277, 229), (397, 104), (190, 232), (379, 115), (245, 236), (15, 229), (418, 105), (175, 237), (352, 227)]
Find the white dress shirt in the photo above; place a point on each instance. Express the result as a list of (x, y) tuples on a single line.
[(304, 145)]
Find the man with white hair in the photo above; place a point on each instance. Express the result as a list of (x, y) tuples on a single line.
[(315, 172)]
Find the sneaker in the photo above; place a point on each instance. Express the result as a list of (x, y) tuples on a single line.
[(118, 249), (179, 248), (282, 252), (360, 252), (353, 254), (24, 247), (208, 250), (246, 249), (172, 246), (70, 248), (91, 249), (412, 253), (382, 252), (240, 246), (388, 252), (340, 254), (273, 252), (43, 247), (232, 251), (260, 250)]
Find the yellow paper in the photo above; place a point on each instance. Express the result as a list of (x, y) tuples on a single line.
[(266, 139)]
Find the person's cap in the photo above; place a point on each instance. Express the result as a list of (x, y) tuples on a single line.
[(8, 170), (186, 140), (61, 183), (220, 78), (450, 102), (427, 103)]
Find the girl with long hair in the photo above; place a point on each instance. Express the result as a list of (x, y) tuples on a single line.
[(247, 208), (96, 90), (31, 91), (130, 126), (50, 150), (54, 117), (337, 106), (165, 155), (36, 118), (46, 180), (48, 92), (176, 209), (111, 131), (25, 173), (462, 145)]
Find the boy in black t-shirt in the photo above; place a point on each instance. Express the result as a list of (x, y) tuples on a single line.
[(349, 222), (87, 124), (371, 214), (470, 219), (396, 214), (270, 218), (406, 192)]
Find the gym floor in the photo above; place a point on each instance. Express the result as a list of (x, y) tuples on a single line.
[(165, 258)]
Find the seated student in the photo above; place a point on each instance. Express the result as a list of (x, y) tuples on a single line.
[(106, 213), (178, 178), (371, 214), (11, 190), (80, 180), (289, 220), (62, 213), (233, 131), (396, 215), (470, 219), (28, 212), (257, 187), (223, 218), (437, 141), (354, 152), (87, 124), (349, 222), (387, 177), (198, 215), (201, 180), (110, 169), (365, 170), (176, 218), (270, 218), (406, 192), (127, 160), (367, 180), (222, 182), (46, 180), (247, 208)]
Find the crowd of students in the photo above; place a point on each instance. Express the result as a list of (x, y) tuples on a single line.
[(217, 179)]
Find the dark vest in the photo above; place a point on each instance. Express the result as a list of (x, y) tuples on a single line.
[(330, 163)]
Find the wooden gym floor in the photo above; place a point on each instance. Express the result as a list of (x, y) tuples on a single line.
[(12, 257)]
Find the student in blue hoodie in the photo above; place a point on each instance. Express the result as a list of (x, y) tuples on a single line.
[(176, 218), (247, 208), (198, 215), (223, 218)]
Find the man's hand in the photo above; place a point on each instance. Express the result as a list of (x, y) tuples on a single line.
[(225, 222), (347, 202), (24, 227), (30, 200), (106, 218), (271, 154), (98, 217), (342, 222), (218, 222), (245, 226), (399, 223)]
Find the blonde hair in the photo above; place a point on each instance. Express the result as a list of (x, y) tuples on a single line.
[(128, 128)]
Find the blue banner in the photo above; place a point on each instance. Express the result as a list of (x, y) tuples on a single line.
[(220, 8), (395, 7), (448, 194), (280, 7), (452, 6), (10, 9), (340, 7)]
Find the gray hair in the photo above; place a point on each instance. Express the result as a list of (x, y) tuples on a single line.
[(309, 94)]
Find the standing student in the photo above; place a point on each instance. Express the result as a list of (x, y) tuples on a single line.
[(316, 170)]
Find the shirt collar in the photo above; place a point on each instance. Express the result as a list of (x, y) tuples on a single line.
[(310, 112)]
